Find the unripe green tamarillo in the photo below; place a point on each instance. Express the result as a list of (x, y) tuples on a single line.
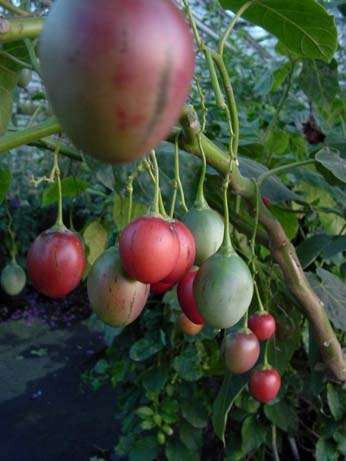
[(117, 73), (115, 298), (13, 279), (207, 227), (223, 289)]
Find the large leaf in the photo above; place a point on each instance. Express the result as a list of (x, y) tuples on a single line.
[(287, 219), (311, 248), (336, 397), (303, 26), (95, 237), (231, 387), (283, 415), (121, 209), (253, 434), (332, 292), (71, 187), (5, 182), (319, 81), (8, 81), (333, 162), (144, 449)]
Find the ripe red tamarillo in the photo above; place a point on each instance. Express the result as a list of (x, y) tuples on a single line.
[(265, 384), (187, 253), (149, 248), (241, 351), (116, 299), (160, 287), (186, 297), (56, 262), (117, 73), (263, 325)]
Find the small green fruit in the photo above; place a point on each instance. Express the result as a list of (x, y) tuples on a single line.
[(207, 227), (13, 279)]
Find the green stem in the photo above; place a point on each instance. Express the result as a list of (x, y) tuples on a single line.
[(258, 296), (177, 173), (157, 182), (200, 199), (227, 247), (28, 135), (193, 24), (174, 199), (246, 318), (59, 220), (130, 191), (274, 444), (12, 8), (32, 54), (282, 169), (231, 26), (265, 360), (231, 103), (15, 60), (17, 29)]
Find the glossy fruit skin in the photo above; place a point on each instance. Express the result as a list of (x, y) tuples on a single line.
[(56, 262), (160, 287), (149, 248), (207, 227), (188, 327), (265, 384), (116, 299), (187, 253), (223, 290), (263, 325), (241, 351), (117, 73), (187, 299), (13, 279)]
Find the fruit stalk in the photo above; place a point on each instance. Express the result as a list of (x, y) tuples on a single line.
[(12, 8), (281, 248)]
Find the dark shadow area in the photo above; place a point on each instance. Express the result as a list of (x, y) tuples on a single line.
[(57, 418)]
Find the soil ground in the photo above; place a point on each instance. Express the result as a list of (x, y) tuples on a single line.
[(47, 414)]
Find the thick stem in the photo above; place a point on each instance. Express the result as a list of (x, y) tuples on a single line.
[(227, 247), (29, 135), (200, 199), (281, 248), (12, 30)]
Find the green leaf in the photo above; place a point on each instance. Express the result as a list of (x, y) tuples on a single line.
[(145, 348), (187, 365), (71, 187), (335, 246), (144, 412), (155, 379), (283, 415), (311, 248), (332, 292), (303, 27), (194, 413), (340, 439), (101, 367), (319, 81), (336, 397), (5, 183), (120, 211), (277, 142), (95, 238), (326, 450), (144, 449), (288, 220), (8, 81), (176, 451), (190, 436), (332, 161), (253, 434), (231, 387), (279, 75)]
